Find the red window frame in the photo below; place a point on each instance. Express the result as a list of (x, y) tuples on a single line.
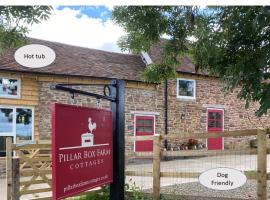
[(215, 128), (144, 118)]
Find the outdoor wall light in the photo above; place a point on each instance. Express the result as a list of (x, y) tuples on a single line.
[(183, 116)]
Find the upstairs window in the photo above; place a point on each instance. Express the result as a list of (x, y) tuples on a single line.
[(9, 87), (186, 88)]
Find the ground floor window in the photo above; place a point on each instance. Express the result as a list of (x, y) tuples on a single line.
[(15, 122)]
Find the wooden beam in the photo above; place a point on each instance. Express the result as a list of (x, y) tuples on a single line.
[(33, 172), (33, 146), (182, 136), (9, 167), (36, 191), (15, 194), (203, 135), (262, 166), (156, 167), (194, 153)]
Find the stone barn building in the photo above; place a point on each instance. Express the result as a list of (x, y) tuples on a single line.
[(192, 102)]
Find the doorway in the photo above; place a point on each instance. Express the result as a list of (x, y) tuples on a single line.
[(215, 123), (144, 125)]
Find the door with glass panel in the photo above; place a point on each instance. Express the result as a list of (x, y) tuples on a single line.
[(15, 122), (144, 125), (214, 125)]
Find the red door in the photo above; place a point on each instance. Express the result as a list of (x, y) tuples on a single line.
[(144, 126), (215, 124)]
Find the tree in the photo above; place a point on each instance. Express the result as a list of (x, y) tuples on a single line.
[(14, 21), (146, 24), (232, 43)]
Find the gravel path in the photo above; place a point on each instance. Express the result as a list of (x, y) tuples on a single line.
[(248, 191)]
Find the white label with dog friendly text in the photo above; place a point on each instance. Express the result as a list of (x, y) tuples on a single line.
[(222, 178)]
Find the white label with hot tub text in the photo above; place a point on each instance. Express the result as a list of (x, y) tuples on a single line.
[(34, 56)]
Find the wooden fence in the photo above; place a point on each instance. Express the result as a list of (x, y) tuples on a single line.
[(156, 172), (31, 166), (32, 163)]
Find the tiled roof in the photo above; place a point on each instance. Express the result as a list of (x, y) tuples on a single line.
[(186, 65), (74, 60)]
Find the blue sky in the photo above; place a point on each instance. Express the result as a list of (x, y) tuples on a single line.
[(101, 12), (86, 26)]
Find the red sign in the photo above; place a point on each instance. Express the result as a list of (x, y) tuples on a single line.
[(81, 149)]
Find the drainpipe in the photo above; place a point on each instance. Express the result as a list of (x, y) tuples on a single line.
[(166, 111)]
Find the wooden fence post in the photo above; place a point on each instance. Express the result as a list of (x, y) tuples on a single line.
[(15, 192), (9, 167), (262, 166), (156, 167)]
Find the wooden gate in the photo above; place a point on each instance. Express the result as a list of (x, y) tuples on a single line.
[(31, 168)]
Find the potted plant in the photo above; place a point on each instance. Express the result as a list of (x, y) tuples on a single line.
[(192, 144)]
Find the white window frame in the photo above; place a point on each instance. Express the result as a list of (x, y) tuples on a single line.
[(13, 133), (185, 97), (18, 96)]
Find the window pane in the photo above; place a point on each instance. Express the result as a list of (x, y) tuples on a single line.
[(140, 122), (148, 129), (148, 122), (211, 124), (8, 87), (140, 129), (218, 115), (218, 124), (6, 118), (24, 123), (3, 146), (211, 115), (186, 88)]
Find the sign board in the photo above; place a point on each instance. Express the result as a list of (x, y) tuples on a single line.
[(81, 149), (222, 178)]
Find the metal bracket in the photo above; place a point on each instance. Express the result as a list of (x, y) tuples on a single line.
[(68, 88)]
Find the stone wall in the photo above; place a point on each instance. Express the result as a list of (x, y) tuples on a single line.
[(137, 100), (143, 102), (183, 115), (48, 96), (191, 115)]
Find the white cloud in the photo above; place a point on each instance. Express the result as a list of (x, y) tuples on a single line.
[(63, 26)]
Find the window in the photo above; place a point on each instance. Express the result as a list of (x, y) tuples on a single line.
[(24, 123), (186, 88), (215, 120), (9, 87), (145, 125), (17, 123)]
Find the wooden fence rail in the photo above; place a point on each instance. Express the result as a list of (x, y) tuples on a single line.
[(33, 165), (262, 176)]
